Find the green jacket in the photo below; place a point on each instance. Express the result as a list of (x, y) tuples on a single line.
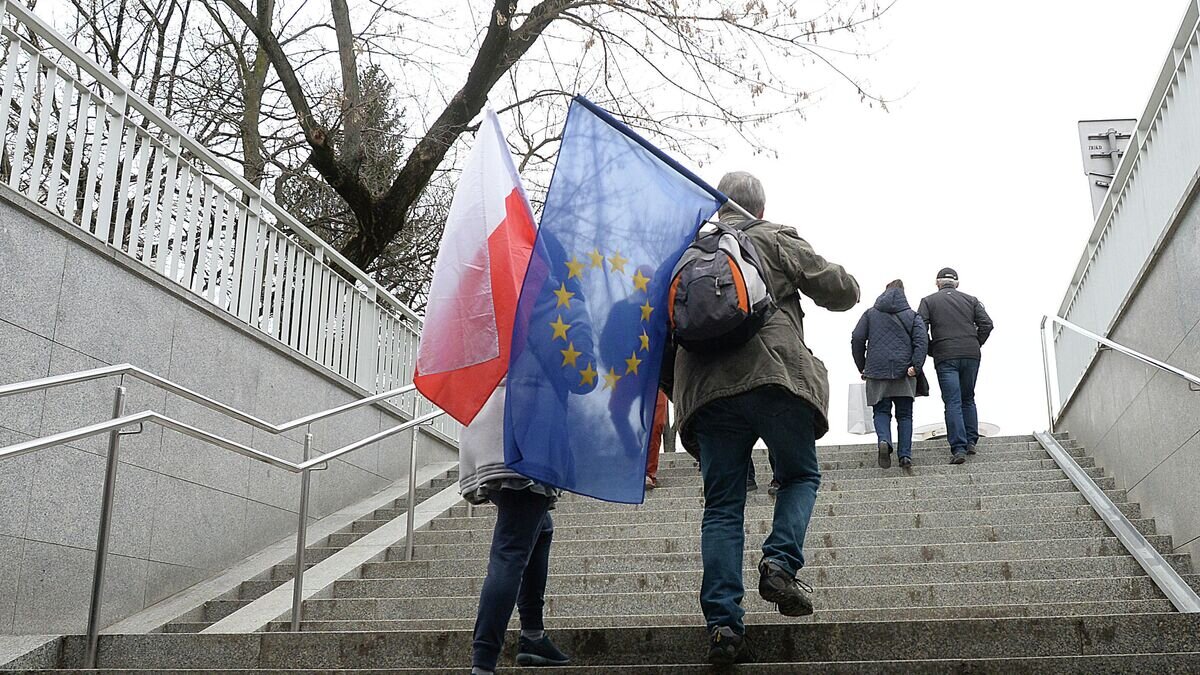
[(776, 355)]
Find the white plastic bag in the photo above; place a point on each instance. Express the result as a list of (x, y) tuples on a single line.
[(859, 419)]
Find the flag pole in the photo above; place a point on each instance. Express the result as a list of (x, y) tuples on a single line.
[(739, 208)]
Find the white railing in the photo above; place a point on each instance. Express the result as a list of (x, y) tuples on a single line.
[(81, 145), (1152, 185)]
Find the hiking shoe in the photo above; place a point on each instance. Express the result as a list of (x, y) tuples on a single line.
[(725, 647), (885, 455), (785, 591), (958, 458), (971, 449), (540, 653), (906, 462), (773, 488)]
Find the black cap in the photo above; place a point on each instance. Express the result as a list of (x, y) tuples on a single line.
[(947, 273)]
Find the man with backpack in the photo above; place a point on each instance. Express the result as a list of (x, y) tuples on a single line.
[(958, 327), (743, 373)]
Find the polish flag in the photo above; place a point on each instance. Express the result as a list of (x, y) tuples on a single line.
[(477, 280)]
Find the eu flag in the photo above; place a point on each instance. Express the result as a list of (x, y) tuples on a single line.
[(591, 322)]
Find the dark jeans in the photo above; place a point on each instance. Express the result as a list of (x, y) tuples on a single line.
[(517, 569), (904, 417), (956, 378), (727, 430)]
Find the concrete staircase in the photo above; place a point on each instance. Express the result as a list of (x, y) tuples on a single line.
[(995, 566)]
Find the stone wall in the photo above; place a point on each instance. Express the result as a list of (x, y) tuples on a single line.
[(1143, 424), (184, 510)]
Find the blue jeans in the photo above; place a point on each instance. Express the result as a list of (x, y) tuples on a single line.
[(517, 568), (727, 430), (956, 378), (883, 423)]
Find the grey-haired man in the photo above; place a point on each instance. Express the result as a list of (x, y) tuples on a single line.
[(958, 327)]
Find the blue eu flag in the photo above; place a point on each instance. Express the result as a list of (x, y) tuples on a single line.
[(591, 321)]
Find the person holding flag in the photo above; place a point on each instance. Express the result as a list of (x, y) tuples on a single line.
[(461, 364)]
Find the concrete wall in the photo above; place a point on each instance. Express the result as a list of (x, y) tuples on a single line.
[(1143, 425), (184, 510)]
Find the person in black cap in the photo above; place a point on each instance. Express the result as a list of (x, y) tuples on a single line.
[(958, 326)]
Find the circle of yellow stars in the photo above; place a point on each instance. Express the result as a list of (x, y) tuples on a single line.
[(561, 329)]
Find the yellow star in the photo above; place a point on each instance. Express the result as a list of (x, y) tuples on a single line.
[(574, 268), (610, 379), (645, 340), (564, 296), (617, 262), (597, 259), (560, 328), (632, 363), (587, 375), (646, 309), (641, 281), (570, 355)]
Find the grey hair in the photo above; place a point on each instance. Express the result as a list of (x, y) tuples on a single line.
[(947, 283), (743, 188)]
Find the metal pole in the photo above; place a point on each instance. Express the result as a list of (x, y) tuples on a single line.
[(106, 508), (301, 539), (470, 510), (412, 490), (1046, 373)]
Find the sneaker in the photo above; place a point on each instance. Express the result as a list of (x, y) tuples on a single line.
[(540, 653), (651, 483), (885, 455), (785, 591), (773, 488), (906, 462), (725, 647), (958, 458), (971, 449)]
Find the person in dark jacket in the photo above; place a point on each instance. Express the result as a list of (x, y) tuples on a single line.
[(958, 326), (889, 346)]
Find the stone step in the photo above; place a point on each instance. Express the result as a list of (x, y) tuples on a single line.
[(861, 460), (758, 520), (830, 504), (653, 601), (919, 470), (900, 614), (661, 543), (819, 576), (791, 642), (215, 610), (596, 563)]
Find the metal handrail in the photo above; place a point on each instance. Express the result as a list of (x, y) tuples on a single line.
[(1191, 378), (120, 421), (201, 399)]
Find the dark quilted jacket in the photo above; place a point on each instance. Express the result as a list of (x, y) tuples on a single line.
[(884, 348)]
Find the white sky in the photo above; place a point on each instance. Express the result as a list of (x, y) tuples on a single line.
[(977, 168)]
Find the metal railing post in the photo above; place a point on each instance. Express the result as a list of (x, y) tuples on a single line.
[(1046, 372), (106, 508), (301, 539), (412, 489)]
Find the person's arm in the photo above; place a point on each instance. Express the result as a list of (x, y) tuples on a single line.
[(983, 322), (828, 284), (920, 340), (858, 342)]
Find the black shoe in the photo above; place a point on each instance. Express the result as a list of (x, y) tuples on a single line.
[(751, 486), (725, 647), (905, 462), (958, 458), (971, 449), (540, 653), (773, 488), (785, 591), (885, 455)]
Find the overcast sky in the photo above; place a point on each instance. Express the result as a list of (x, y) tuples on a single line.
[(978, 167)]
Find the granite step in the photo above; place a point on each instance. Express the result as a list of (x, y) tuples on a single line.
[(859, 460), (597, 563), (918, 470)]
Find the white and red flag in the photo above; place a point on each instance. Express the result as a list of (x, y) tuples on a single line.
[(477, 280)]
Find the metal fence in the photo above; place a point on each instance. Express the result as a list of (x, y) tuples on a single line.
[(1155, 178), (81, 145)]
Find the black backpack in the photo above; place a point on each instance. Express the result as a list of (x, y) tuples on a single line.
[(720, 295)]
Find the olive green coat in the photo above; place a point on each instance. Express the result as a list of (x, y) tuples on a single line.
[(776, 355)]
